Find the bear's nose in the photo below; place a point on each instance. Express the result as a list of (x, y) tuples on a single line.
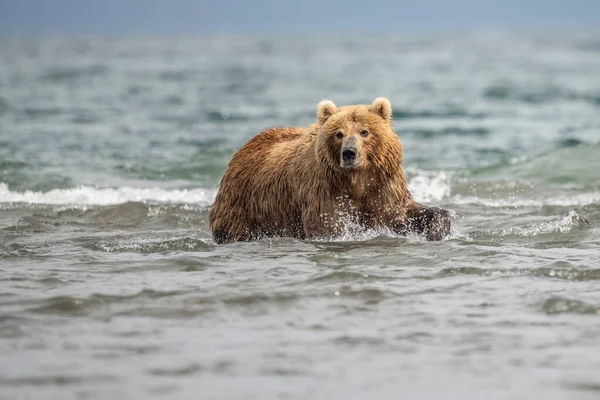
[(349, 155)]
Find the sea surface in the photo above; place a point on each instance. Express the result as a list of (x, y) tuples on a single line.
[(111, 152)]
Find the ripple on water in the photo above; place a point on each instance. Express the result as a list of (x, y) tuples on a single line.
[(347, 276), (57, 380), (112, 351), (437, 113), (563, 305), (570, 274), (591, 386), (73, 306), (513, 91), (4, 107), (122, 214), (15, 250), (185, 370), (62, 75), (246, 299), (448, 131), (12, 326)]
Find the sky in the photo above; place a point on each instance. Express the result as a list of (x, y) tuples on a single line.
[(272, 17)]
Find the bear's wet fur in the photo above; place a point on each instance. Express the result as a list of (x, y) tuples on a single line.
[(311, 182)]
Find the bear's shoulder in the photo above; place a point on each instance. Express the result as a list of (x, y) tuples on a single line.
[(284, 133), (281, 135)]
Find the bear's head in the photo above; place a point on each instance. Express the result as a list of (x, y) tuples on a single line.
[(358, 138)]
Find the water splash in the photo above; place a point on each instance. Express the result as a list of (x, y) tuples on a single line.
[(430, 186)]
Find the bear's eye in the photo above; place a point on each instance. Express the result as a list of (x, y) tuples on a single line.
[(339, 134), (364, 133)]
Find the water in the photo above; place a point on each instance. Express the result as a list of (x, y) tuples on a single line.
[(111, 151)]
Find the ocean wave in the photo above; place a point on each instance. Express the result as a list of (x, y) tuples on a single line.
[(563, 224), (86, 195)]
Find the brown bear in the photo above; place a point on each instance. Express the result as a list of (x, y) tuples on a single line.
[(345, 170)]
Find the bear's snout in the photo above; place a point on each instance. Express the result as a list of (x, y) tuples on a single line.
[(349, 155)]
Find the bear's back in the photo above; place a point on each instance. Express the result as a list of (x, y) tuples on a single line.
[(258, 192)]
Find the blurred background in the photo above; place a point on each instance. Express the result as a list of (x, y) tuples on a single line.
[(118, 119), (147, 93), (266, 17)]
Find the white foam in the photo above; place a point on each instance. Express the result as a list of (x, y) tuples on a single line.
[(582, 199), (86, 195), (578, 200), (429, 186)]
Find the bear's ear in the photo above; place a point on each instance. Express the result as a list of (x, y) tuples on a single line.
[(325, 109), (382, 107)]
